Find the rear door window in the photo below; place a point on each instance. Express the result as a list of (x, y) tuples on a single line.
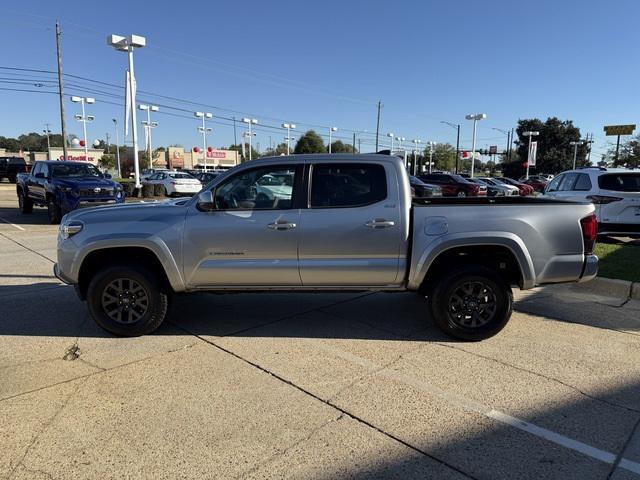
[(620, 182), (583, 183), (347, 185)]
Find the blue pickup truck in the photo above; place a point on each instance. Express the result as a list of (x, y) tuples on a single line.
[(63, 186)]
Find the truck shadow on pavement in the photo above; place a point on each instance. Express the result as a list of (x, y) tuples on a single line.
[(13, 215)]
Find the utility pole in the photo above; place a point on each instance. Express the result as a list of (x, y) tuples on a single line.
[(47, 132), (108, 146), (509, 153), (589, 141), (378, 125), (354, 142), (61, 92), (235, 134)]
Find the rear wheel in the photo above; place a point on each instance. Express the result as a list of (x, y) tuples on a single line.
[(54, 211), (461, 193), (127, 300), (471, 303), (24, 203)]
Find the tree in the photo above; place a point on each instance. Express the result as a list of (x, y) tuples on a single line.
[(555, 153), (628, 156), (238, 148), (339, 147), (107, 161), (280, 149), (444, 157), (310, 142)]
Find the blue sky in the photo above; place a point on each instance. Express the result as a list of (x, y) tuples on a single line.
[(328, 63)]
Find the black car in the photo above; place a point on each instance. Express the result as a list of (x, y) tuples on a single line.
[(10, 167), (423, 189), (206, 177)]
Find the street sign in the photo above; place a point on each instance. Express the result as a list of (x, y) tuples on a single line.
[(619, 129), (493, 149), (533, 152)]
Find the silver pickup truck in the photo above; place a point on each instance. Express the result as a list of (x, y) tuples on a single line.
[(318, 223)]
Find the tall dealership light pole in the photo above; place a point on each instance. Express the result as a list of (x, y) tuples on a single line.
[(204, 130), (431, 145), (127, 44), (415, 141), (84, 119), (475, 117), (400, 140), (148, 125), (289, 127), (250, 121), (115, 124), (47, 132), (457, 127), (529, 134), (390, 134), (575, 151), (331, 130)]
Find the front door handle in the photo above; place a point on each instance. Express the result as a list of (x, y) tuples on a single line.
[(281, 225), (380, 223)]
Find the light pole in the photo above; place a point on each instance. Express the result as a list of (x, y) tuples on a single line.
[(204, 130), (115, 124), (575, 151), (250, 121), (400, 140), (431, 145), (390, 134), (475, 117), (289, 127), (127, 44), (331, 130), (46, 131), (457, 127), (529, 134), (84, 119), (508, 134), (148, 125), (415, 169)]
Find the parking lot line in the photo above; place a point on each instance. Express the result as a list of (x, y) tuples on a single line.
[(13, 224), (472, 405)]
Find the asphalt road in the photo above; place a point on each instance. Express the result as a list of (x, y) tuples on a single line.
[(308, 386)]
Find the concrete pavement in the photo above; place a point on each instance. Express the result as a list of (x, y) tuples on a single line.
[(308, 386)]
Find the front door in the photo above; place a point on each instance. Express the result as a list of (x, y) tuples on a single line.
[(250, 238), (351, 233)]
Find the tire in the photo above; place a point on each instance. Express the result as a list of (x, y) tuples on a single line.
[(468, 296), (127, 300), (24, 203), (461, 193), (54, 211)]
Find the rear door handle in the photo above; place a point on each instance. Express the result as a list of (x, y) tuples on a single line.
[(281, 225), (380, 223)]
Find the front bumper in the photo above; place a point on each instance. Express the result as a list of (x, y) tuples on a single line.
[(60, 276), (69, 202), (590, 269)]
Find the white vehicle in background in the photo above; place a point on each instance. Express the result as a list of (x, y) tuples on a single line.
[(175, 183), (500, 186), (147, 172), (615, 192)]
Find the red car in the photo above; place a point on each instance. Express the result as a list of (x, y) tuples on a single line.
[(525, 189), (454, 185), (538, 183)]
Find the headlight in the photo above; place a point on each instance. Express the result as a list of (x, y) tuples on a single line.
[(69, 229)]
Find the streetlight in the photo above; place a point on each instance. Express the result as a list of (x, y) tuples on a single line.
[(115, 124), (431, 145), (390, 134), (529, 134), (148, 125), (47, 132), (575, 151), (457, 127), (415, 141), (127, 44), (289, 127), (400, 140), (331, 130), (250, 121), (84, 119), (475, 117), (204, 130)]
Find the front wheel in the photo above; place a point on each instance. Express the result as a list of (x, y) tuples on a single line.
[(472, 303), (54, 211), (127, 300), (461, 193), (24, 203)]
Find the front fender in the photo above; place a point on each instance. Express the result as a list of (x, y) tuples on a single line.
[(446, 242), (155, 244)]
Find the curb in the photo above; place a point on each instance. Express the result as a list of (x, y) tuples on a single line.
[(611, 287)]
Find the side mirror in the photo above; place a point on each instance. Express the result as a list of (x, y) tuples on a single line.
[(205, 201), (108, 176)]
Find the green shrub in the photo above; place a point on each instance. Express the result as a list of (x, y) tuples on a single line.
[(147, 190), (158, 190), (128, 188)]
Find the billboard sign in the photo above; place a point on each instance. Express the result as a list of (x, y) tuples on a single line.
[(533, 152), (619, 129)]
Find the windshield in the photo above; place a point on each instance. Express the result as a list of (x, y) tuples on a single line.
[(179, 175), (415, 180), (460, 179), (73, 170)]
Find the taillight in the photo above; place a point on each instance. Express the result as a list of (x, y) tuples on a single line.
[(603, 199), (589, 226)]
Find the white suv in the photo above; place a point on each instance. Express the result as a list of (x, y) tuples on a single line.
[(615, 193)]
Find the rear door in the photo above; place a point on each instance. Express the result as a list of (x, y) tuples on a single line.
[(624, 186), (351, 231)]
